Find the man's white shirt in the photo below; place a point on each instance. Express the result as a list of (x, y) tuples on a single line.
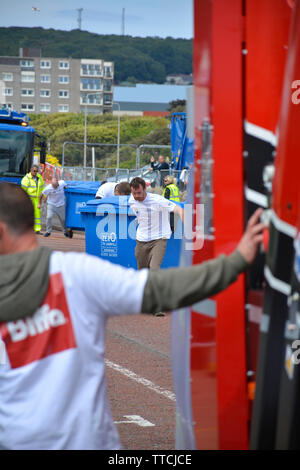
[(152, 216), (52, 385), (56, 197), (106, 190)]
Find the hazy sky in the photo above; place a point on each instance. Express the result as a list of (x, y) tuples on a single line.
[(142, 17)]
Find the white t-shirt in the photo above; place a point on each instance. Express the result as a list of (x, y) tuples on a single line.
[(152, 216), (106, 190), (53, 386), (56, 196)]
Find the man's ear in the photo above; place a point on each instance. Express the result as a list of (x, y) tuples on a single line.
[(3, 229)]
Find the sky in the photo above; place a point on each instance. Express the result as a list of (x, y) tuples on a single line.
[(143, 18)]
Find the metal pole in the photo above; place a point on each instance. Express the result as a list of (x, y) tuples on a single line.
[(118, 138), (118, 147), (85, 132), (93, 163)]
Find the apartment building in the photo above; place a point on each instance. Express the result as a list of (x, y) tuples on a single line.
[(35, 84)]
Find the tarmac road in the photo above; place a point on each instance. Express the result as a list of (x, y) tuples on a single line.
[(139, 376)]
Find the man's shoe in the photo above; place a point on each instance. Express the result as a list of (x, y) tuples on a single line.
[(160, 314), (68, 233), (47, 234)]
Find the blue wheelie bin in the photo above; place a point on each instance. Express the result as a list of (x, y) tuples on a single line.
[(110, 232), (77, 194)]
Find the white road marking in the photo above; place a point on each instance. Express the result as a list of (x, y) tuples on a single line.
[(147, 383), (135, 419)]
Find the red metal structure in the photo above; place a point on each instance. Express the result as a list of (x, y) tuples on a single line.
[(218, 350), (240, 51)]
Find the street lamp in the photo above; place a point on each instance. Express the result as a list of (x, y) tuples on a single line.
[(85, 126), (118, 139)]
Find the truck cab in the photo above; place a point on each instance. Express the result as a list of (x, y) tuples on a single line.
[(18, 141)]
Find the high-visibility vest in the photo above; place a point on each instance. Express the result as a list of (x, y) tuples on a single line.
[(32, 188), (174, 196)]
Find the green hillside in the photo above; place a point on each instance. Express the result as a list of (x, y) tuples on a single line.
[(146, 59)]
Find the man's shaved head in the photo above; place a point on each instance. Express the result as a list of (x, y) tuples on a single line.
[(16, 209)]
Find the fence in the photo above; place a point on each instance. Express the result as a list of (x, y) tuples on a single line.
[(49, 171), (99, 155), (105, 155), (153, 178)]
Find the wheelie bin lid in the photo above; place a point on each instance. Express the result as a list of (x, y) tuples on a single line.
[(108, 205), (83, 188)]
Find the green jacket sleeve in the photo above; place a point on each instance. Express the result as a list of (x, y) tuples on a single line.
[(169, 289)]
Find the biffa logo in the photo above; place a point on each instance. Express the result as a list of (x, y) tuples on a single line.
[(40, 322), (48, 331), (2, 352)]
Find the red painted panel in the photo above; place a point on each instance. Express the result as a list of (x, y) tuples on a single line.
[(267, 30), (219, 375), (287, 165), (203, 344), (228, 217)]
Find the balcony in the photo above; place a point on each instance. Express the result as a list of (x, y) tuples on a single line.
[(91, 72)]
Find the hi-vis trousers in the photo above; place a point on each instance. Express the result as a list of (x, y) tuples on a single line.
[(37, 214)]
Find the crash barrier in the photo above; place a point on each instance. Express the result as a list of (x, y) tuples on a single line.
[(94, 174), (111, 155), (77, 194), (110, 232), (155, 179), (49, 172)]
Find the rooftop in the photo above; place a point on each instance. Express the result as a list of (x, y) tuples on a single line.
[(150, 93)]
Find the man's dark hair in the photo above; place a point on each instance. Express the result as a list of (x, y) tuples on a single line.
[(16, 209), (124, 188), (136, 182)]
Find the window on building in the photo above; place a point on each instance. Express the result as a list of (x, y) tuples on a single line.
[(107, 85), (63, 108), (91, 69), (7, 77), (26, 63), (28, 77), (45, 93), (45, 108), (63, 79), (64, 65), (8, 92), (45, 64), (27, 92), (63, 94), (88, 98), (27, 107), (107, 71), (91, 83), (45, 78), (8, 106), (107, 99)]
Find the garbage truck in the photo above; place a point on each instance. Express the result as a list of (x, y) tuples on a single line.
[(20, 146)]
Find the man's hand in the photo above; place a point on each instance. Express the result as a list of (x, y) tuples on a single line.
[(179, 211), (252, 237), (39, 205)]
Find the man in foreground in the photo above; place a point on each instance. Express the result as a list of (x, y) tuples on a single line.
[(53, 312)]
